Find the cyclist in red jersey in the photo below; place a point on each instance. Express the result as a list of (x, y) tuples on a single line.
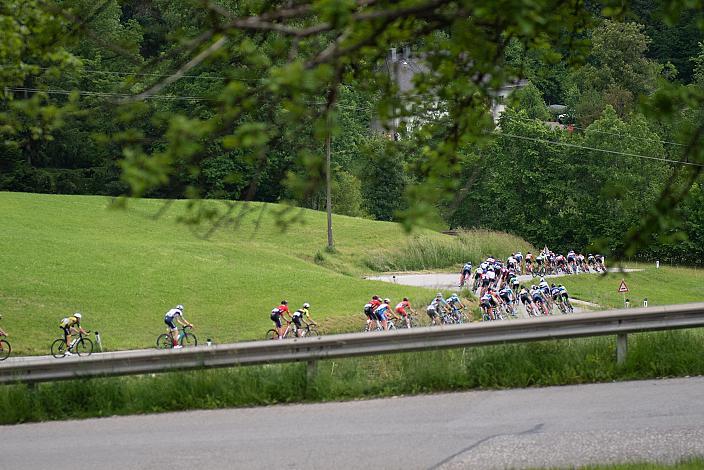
[(401, 310), (279, 312)]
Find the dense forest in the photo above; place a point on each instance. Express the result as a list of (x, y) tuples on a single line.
[(127, 97)]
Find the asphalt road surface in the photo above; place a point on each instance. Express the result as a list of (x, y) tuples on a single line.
[(656, 420), (449, 281)]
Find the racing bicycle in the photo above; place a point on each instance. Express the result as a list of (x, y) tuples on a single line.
[(79, 345), (5, 348), (290, 331), (185, 339)]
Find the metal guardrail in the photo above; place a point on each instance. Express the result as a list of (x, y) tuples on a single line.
[(615, 322)]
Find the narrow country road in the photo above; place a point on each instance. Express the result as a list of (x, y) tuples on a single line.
[(447, 281), (655, 420)]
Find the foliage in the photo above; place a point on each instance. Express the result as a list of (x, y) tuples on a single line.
[(234, 100)]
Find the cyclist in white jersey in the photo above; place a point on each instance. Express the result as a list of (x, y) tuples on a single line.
[(175, 314)]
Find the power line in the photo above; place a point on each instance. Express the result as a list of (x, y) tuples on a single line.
[(583, 147), (137, 74), (105, 94)]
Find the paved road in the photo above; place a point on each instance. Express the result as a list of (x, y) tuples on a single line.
[(557, 426), (448, 281)]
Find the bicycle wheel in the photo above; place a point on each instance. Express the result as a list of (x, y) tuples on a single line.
[(58, 348), (4, 349), (84, 347), (164, 341), (312, 331), (188, 340), (272, 334)]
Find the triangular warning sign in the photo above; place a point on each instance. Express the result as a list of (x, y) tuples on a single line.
[(623, 287)]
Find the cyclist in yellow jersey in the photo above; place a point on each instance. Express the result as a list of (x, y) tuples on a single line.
[(302, 315), (67, 325)]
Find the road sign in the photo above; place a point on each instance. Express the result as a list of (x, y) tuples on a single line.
[(623, 287)]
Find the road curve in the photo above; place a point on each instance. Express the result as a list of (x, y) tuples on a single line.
[(655, 420)]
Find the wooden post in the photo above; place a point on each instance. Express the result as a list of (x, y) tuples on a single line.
[(621, 348), (328, 189)]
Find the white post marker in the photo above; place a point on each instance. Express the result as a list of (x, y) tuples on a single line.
[(645, 302), (657, 264), (623, 288)]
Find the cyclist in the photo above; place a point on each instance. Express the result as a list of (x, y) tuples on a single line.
[(279, 312), (600, 262), (565, 297), (2, 333), (478, 275), (555, 294), (381, 312), (506, 294), (369, 311), (456, 306), (487, 302), (466, 272), (514, 283), (519, 261), (524, 295), (401, 310), (591, 261), (175, 314), (436, 308), (529, 262), (539, 264), (571, 261), (537, 297), (68, 325), (302, 314)]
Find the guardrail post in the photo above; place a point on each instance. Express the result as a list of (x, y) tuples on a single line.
[(311, 371), (621, 348)]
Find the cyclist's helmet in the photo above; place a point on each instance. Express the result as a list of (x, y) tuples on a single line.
[(375, 297), (553, 285), (386, 301), (542, 279), (284, 302), (179, 307), (438, 295), (533, 286), (306, 305), (77, 315), (405, 299)]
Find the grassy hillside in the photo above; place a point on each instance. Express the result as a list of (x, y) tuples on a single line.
[(124, 268), (667, 285)]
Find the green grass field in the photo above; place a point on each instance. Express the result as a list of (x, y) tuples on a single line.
[(124, 268), (664, 286)]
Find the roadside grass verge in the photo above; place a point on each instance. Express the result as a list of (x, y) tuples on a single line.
[(428, 251), (664, 286), (685, 464), (651, 355)]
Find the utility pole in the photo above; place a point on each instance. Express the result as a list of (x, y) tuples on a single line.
[(328, 189)]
